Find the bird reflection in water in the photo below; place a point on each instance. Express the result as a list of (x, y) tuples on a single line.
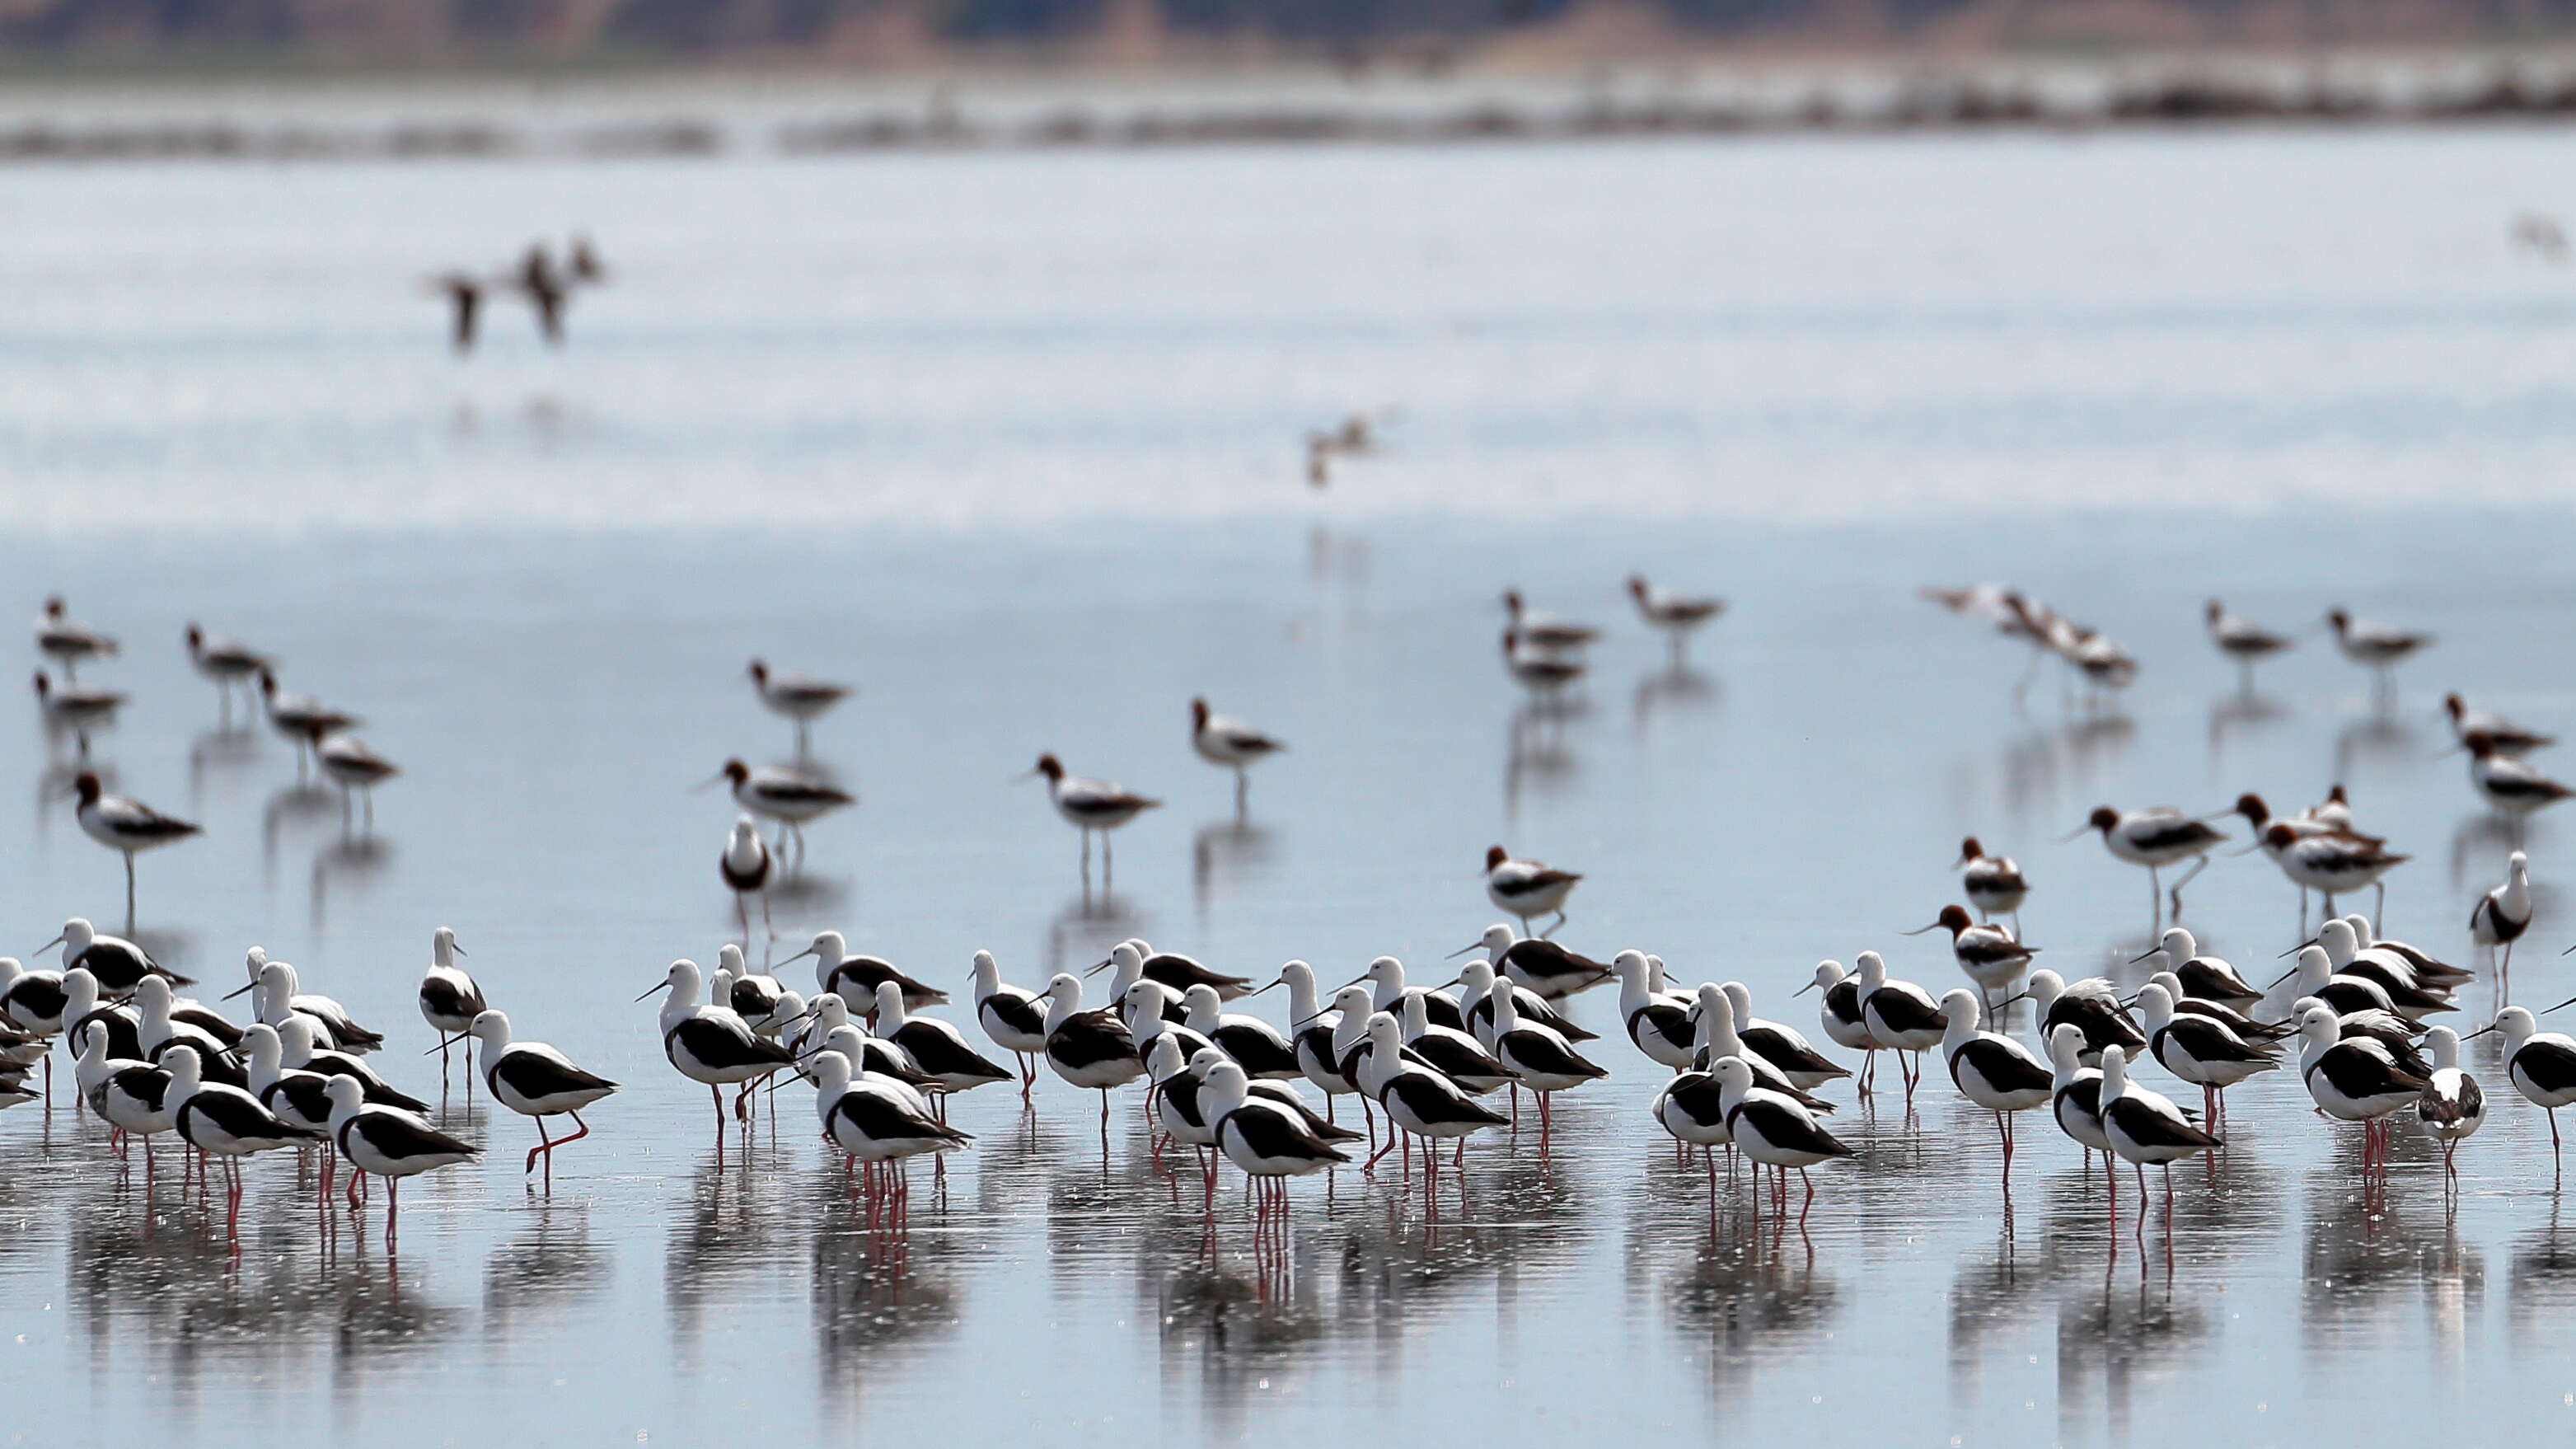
[(551, 1265), (294, 811), (1536, 755), (224, 753), (1230, 853), (1745, 1303), (2115, 1338), (1675, 689), (347, 865), (2240, 713), (1335, 557), (1086, 928), (2376, 739), (1239, 1335), (877, 1295)]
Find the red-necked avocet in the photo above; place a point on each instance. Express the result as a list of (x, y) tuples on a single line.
[(1994, 884), (77, 709), (2452, 1107), (128, 827), (2332, 862), (1091, 806), (2511, 785), (225, 663), (357, 770), (746, 866), (67, 641), (1528, 889), (2145, 1127), (1546, 631), (790, 797), (1676, 614), (1229, 743), (2507, 737), (2243, 641), (2156, 838), (1987, 954), (2375, 646), (1992, 1070), (798, 697), (301, 718)]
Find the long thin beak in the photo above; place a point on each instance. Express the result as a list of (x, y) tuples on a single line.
[(1478, 944), (236, 991), (2570, 1001), (2482, 1031), (49, 945), (2284, 976), (707, 784), (1354, 981), (1094, 971), (1461, 977), (2295, 950), (2077, 833), (2009, 1000), (1309, 1021), (2569, 949), (459, 950), (665, 986), (1803, 990), (2150, 951), (446, 1042), (1919, 930), (1282, 981), (799, 956)]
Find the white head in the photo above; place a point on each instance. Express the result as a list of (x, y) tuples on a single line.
[(1960, 1006), (1386, 974), (1497, 939), (77, 935), (1203, 1005), (265, 1054), (1204, 1061), (443, 949), (1226, 1088), (2044, 989), (1739, 996), (1065, 990), (10, 969), (491, 1027), (2339, 942), (1873, 971), (2319, 1026), (2314, 968), (2516, 1025), (988, 975), (1142, 1003), (2156, 1005), (680, 983), (294, 1041), (2170, 982), (729, 957), (346, 1095), (1475, 981), (890, 1017), (1129, 964), (2361, 930), (1507, 1008), (1829, 974), (720, 987), (1300, 980), (1384, 1034), (1654, 972), (2066, 1051), (2178, 945), (1417, 1016), (1632, 971), (152, 998), (830, 1011), (829, 950), (2517, 866), (1734, 1076), (831, 1073), (2443, 1045), (186, 1075), (2115, 1074), (1164, 1059), (80, 994)]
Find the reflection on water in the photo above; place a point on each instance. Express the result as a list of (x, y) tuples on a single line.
[(1226, 857), (1676, 689)]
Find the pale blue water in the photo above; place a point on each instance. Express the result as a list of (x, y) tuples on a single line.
[(1011, 441)]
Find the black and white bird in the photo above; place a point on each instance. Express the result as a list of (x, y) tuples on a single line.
[(1179, 973), (855, 978), (128, 827), (1658, 1023), (134, 1096), (1676, 614), (790, 797), (299, 1040), (1545, 673), (2200, 1049), (33, 1001), (1451, 1052), (225, 663), (1900, 1015), (535, 1080), (2375, 646), (2332, 862), (349, 763), (799, 697), (937, 1048), (1311, 1025), (1993, 884), (1270, 1143), (2203, 978), (1992, 1070), (449, 999), (1989, 954), (301, 718), (2354, 1078), (1388, 992), (1012, 1019), (2421, 967), (1692, 1107), (224, 1120), (1546, 631), (2506, 736), (711, 1044), (2243, 641), (2453, 1107), (2511, 786), (745, 866), (390, 1143), (277, 992), (1542, 967), (1780, 1045), (1773, 1130), (2156, 838), (1229, 743), (2075, 1101), (1264, 1053), (1714, 1035), (1089, 1049), (1091, 806), (1528, 889), (1421, 1100), (2145, 1127), (2540, 1064), (118, 964), (2501, 916), (1147, 1022), (299, 1097), (67, 641), (1477, 982), (878, 1126), (158, 1028), (1838, 1012), (77, 709), (1544, 1062), (2247, 1029)]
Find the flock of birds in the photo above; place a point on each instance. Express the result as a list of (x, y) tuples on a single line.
[(547, 286), (1425, 1064)]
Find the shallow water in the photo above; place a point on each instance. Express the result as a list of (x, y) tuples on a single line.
[(1041, 489)]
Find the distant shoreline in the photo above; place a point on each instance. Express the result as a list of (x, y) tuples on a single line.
[(678, 115)]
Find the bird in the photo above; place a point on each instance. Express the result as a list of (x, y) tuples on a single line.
[(2377, 647), (1229, 743), (1545, 631), (745, 865), (2509, 784), (1014, 1020), (356, 769), (1543, 1061), (78, 708), (799, 697), (2144, 1127), (535, 1080), (301, 718), (1901, 1016), (2200, 1049), (299, 1051), (1091, 805), (937, 1048), (1658, 1025), (224, 1120), (1992, 1070), (2156, 838), (2075, 1102), (2506, 736), (134, 1096), (1089, 1049), (390, 1143), (872, 1124), (66, 641), (546, 289), (2333, 861), (464, 294), (1270, 1143), (128, 827), (2502, 915), (1714, 1036), (712, 1045), (297, 1096), (1773, 1130), (585, 264), (118, 964), (1180, 973), (1544, 673), (2244, 641), (1676, 614), (2246, 1028), (1451, 1052), (1781, 1046), (2398, 979), (2452, 1107), (1478, 981), (1692, 1107), (2355, 1078), (1539, 966), (2540, 1064), (855, 979), (276, 992), (2204, 978), (1389, 993), (1421, 1100), (2092, 1006), (1838, 1012), (1254, 1044), (1994, 884), (790, 797), (1988, 954), (1125, 1000), (1527, 889), (226, 663), (2306, 823)]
